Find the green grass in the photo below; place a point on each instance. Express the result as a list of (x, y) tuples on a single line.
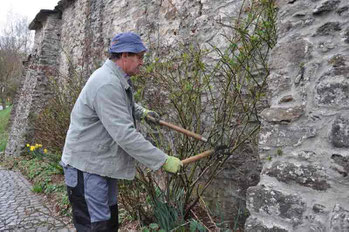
[(4, 118)]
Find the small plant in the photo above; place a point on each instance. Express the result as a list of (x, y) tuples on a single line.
[(124, 216), (37, 188), (196, 226), (152, 228), (41, 153), (279, 152)]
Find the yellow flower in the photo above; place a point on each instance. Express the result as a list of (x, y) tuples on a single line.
[(28, 145), (36, 145), (45, 150), (32, 148), (40, 145)]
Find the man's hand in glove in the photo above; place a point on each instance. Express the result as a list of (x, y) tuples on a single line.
[(152, 114), (172, 164)]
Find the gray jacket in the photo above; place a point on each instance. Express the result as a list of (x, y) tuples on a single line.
[(102, 137)]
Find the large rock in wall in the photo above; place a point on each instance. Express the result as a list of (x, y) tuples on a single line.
[(304, 139)]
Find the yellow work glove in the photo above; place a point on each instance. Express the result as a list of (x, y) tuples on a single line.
[(172, 164), (153, 114)]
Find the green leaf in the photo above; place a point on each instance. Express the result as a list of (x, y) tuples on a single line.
[(154, 226), (196, 226), (193, 226), (145, 230)]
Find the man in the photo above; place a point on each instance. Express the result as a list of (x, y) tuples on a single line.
[(102, 142)]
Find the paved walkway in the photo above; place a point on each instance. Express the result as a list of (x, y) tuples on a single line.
[(22, 210)]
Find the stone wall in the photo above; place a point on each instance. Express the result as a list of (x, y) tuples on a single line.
[(88, 26), (304, 139), (76, 35), (41, 64)]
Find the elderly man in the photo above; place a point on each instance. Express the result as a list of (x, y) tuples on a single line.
[(102, 142)]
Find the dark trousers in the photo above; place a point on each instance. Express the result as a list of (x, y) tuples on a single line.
[(94, 201)]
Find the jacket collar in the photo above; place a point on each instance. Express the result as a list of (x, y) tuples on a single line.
[(119, 72)]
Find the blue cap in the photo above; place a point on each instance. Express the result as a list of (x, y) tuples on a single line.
[(127, 42)]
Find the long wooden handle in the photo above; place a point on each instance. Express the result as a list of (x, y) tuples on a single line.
[(197, 157), (179, 129)]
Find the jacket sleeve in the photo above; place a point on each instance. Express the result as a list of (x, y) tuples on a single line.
[(111, 107)]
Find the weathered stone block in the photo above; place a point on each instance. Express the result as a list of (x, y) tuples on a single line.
[(341, 71), (285, 26), (326, 46), (339, 220), (242, 169), (276, 204), (317, 226), (290, 53), (282, 115), (340, 130), (307, 176), (278, 83), (343, 10), (317, 208), (255, 225), (304, 155), (346, 35), (326, 7), (337, 60), (332, 92), (343, 162), (328, 28), (283, 135), (287, 98)]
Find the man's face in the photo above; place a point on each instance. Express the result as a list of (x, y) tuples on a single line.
[(132, 63)]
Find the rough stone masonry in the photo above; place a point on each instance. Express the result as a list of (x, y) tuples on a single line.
[(304, 142), (304, 139), (76, 34)]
